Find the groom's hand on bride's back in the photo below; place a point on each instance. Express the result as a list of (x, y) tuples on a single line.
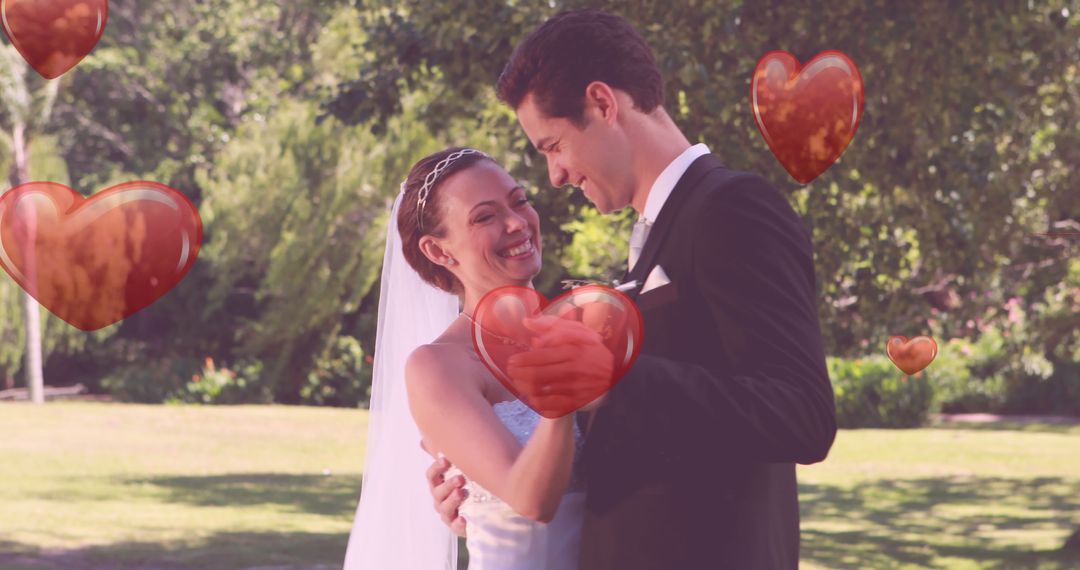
[(448, 495)]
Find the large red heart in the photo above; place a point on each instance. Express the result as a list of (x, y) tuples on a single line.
[(54, 35), (911, 356), (498, 332), (94, 261), (808, 116)]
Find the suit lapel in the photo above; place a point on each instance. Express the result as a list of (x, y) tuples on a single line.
[(666, 219)]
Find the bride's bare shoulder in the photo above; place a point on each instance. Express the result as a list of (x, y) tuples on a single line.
[(437, 379), (437, 363)]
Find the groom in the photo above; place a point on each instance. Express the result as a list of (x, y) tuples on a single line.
[(690, 458)]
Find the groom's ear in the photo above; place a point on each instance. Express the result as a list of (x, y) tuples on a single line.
[(600, 99)]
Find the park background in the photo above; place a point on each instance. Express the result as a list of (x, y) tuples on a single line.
[(291, 125)]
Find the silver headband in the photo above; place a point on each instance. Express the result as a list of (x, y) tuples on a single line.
[(433, 176)]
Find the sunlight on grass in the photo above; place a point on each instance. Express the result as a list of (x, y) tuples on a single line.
[(206, 487), (943, 498), (110, 486)]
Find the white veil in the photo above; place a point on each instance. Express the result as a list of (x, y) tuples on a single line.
[(396, 524)]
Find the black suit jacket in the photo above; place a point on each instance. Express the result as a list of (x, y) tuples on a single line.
[(690, 462)]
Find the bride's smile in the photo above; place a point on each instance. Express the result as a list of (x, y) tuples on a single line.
[(490, 229), (519, 251)]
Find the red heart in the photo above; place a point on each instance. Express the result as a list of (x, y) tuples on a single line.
[(94, 261), (807, 115), (911, 356), (54, 35), (498, 332)]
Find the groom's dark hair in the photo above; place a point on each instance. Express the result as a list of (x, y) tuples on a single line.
[(572, 49)]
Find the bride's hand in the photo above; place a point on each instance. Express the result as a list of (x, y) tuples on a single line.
[(448, 495)]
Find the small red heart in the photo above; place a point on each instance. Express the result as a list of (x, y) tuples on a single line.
[(911, 356), (499, 332), (808, 115), (53, 36), (94, 261)]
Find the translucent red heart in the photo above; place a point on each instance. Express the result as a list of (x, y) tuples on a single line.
[(911, 356), (95, 261), (807, 114), (53, 36), (499, 332)]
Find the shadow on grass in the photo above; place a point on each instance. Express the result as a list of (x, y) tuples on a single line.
[(969, 522), (222, 551), (940, 522), (335, 496), (330, 495), (1012, 426)]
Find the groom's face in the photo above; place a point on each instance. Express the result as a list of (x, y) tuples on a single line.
[(591, 157)]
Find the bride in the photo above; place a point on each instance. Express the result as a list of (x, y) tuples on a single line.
[(464, 228)]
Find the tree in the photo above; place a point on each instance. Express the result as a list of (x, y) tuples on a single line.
[(28, 333), (161, 95), (297, 209), (966, 148), (27, 108)]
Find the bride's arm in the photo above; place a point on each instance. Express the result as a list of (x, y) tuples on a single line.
[(456, 419)]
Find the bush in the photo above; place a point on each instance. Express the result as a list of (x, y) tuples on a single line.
[(149, 382), (1058, 394), (872, 392), (968, 376), (225, 386), (341, 377)]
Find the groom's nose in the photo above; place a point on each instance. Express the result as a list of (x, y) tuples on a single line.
[(558, 175)]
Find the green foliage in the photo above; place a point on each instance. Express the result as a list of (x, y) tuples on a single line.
[(150, 381), (296, 211), (1013, 361), (224, 386), (967, 143), (965, 375), (1055, 319), (12, 331), (26, 102), (297, 217), (599, 245), (1057, 394), (872, 393), (167, 84), (341, 376), (292, 124), (58, 337)]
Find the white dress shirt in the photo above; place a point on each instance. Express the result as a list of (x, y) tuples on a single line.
[(658, 195), (670, 176)]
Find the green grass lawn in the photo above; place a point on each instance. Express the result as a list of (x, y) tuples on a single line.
[(110, 486)]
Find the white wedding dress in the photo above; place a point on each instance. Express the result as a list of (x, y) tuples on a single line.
[(498, 538)]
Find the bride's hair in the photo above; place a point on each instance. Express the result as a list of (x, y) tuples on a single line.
[(409, 225)]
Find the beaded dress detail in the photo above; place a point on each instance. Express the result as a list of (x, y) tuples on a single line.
[(501, 539)]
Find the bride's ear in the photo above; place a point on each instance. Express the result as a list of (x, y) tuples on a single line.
[(433, 250)]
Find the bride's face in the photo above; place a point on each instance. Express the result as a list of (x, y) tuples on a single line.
[(491, 229)]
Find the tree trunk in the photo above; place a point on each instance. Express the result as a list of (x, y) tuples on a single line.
[(35, 378)]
